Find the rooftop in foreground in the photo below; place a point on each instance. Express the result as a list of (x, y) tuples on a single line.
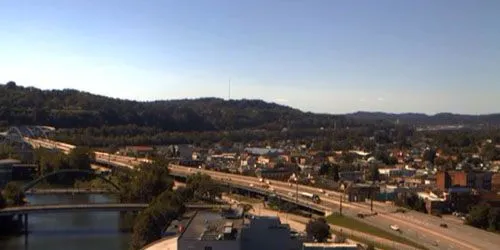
[(207, 225)]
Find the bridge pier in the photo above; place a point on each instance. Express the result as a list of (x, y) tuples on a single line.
[(25, 223)]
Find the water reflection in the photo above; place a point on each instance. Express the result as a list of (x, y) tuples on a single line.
[(76, 230)]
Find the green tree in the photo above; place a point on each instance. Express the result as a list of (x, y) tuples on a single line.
[(490, 152), (13, 194), (429, 155), (80, 158), (151, 222), (335, 172), (3, 202), (144, 231), (318, 229), (373, 174), (478, 216), (7, 151), (494, 219), (203, 187), (324, 168), (147, 182)]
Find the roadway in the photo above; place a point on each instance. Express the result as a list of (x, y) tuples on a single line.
[(422, 228), (415, 226)]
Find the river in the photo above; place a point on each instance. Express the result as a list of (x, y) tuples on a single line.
[(71, 231)]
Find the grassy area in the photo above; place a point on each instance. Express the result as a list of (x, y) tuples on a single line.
[(364, 240), (351, 223)]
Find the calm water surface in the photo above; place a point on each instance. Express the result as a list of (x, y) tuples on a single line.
[(71, 231)]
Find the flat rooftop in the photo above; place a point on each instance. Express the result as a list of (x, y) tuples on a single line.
[(209, 225)]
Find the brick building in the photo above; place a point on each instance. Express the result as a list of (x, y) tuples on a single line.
[(471, 179), (495, 182)]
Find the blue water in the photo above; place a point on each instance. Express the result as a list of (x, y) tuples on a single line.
[(71, 231)]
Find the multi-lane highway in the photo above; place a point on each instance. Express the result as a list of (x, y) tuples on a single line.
[(422, 228)]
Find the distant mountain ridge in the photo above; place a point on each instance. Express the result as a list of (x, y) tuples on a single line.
[(424, 119), (70, 108)]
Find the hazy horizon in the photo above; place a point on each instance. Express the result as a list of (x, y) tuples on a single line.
[(320, 56)]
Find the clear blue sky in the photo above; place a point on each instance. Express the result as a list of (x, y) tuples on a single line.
[(317, 55)]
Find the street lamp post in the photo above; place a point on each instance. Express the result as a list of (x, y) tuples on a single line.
[(341, 198), (296, 190)]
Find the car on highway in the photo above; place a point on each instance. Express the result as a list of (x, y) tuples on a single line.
[(444, 225), (395, 227)]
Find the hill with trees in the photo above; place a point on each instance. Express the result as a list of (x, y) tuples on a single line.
[(76, 109), (93, 120)]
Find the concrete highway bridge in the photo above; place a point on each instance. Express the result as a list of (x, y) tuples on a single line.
[(61, 208)]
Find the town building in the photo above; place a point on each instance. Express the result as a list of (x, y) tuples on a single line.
[(495, 182), (354, 176), (357, 192), (267, 233), (207, 230), (470, 179), (433, 203), (459, 199), (274, 173), (137, 151)]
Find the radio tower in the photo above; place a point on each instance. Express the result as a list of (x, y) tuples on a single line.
[(229, 93)]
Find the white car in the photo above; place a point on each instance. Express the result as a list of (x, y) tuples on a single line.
[(395, 227)]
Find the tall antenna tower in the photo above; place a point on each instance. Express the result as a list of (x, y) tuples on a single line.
[(229, 93)]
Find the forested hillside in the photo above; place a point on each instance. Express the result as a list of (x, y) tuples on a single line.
[(87, 119), (75, 109)]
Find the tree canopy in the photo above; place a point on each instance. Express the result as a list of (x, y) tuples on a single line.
[(484, 216), (318, 229), (145, 183), (167, 205), (203, 187), (13, 195)]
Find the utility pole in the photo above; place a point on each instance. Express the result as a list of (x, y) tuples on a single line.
[(229, 93), (296, 190), (371, 198), (341, 203)]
